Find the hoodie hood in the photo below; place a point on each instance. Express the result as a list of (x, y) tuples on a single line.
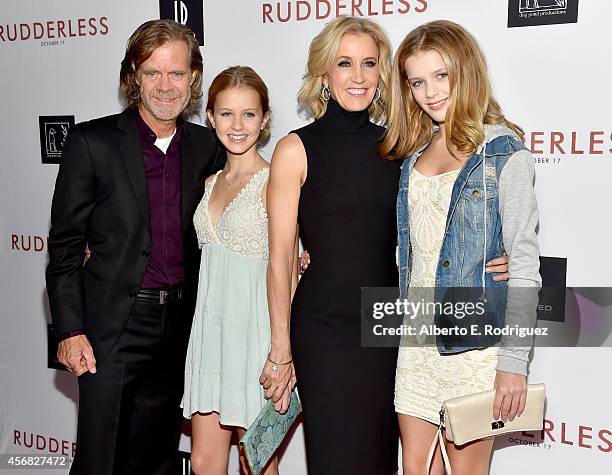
[(492, 131)]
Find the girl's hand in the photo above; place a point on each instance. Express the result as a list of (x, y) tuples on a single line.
[(510, 395)]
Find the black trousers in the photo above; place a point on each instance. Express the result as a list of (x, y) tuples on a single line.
[(129, 411)]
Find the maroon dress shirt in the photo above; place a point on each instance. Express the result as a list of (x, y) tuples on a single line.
[(165, 268)]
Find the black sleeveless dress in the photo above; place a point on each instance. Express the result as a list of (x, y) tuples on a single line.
[(348, 224)]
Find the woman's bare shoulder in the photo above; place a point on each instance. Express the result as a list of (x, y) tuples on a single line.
[(289, 157), (290, 144)]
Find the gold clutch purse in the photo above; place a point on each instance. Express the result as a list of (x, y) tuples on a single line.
[(468, 418)]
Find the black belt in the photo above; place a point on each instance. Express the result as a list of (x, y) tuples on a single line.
[(160, 296)]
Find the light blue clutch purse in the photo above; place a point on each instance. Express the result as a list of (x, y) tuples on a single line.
[(267, 432)]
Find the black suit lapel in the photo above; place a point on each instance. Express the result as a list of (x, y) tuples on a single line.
[(129, 143)]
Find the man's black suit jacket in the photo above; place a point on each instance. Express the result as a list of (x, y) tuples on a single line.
[(101, 200)]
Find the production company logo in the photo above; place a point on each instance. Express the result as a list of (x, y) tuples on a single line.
[(536, 6), (541, 12), (185, 12), (573, 316), (551, 306), (53, 134)]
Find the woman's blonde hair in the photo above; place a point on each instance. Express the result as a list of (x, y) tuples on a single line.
[(246, 77), (471, 103), (322, 54)]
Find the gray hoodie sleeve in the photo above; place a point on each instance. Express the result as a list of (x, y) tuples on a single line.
[(519, 213)]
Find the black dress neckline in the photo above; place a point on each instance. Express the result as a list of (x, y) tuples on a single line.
[(349, 122)]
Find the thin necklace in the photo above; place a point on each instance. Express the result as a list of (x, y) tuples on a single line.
[(240, 182)]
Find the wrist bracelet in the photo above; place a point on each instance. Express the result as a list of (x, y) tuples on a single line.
[(276, 365), (279, 364)]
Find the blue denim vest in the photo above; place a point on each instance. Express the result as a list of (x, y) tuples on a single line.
[(461, 261)]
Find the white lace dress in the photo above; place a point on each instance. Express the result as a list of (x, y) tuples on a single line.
[(424, 378), (230, 336)]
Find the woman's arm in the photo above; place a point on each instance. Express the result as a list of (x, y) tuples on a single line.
[(287, 174), (519, 213), (297, 259)]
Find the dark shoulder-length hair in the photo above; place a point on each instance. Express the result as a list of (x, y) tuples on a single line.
[(147, 38)]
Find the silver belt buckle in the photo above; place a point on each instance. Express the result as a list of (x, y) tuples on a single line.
[(162, 297)]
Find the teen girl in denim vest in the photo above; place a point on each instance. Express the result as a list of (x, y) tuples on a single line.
[(466, 195)]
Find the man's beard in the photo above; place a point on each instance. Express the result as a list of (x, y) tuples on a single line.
[(163, 112)]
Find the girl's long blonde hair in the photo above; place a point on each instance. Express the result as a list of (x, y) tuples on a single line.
[(322, 54), (471, 103)]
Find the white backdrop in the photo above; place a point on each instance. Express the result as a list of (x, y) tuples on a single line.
[(553, 80)]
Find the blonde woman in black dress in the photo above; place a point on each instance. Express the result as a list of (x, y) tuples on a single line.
[(327, 178)]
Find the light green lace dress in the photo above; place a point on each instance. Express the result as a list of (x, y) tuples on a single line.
[(230, 336)]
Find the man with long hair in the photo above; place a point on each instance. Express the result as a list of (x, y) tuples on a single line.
[(127, 189)]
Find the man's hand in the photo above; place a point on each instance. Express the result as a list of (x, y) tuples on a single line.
[(76, 354)]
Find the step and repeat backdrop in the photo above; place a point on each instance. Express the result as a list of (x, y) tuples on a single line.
[(549, 61)]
